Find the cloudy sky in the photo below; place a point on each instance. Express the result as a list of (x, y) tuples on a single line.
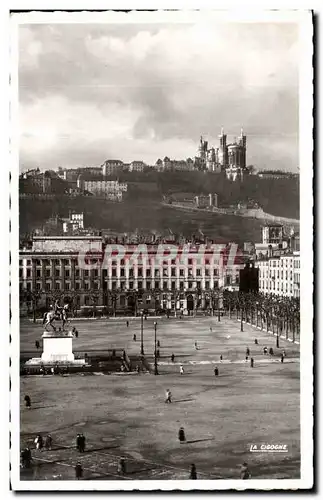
[(89, 92)]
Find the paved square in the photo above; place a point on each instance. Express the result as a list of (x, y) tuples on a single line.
[(125, 415)]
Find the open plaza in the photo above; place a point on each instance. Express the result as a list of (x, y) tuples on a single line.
[(124, 414)]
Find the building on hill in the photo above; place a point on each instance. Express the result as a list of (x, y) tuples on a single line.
[(137, 166), (36, 183), (228, 158), (111, 189), (168, 165), (206, 200), (112, 167), (276, 174)]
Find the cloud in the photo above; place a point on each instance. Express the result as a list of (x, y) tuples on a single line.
[(146, 91)]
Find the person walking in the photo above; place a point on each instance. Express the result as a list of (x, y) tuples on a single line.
[(39, 442), (127, 324), (216, 371), (48, 442), (37, 344), (251, 362), (172, 357), (271, 351), (193, 472), (244, 471), (78, 471), (248, 352), (181, 369), (27, 401), (168, 396), (221, 358), (82, 443), (78, 442), (134, 337), (284, 353), (181, 435), (282, 358), (195, 345), (256, 341)]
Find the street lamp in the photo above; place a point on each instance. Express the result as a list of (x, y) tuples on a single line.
[(156, 367), (142, 334), (241, 314)]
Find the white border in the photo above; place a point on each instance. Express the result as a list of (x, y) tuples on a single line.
[(305, 23)]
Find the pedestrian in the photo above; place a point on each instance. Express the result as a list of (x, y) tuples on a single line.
[(78, 442), (256, 341), (221, 358), (271, 351), (122, 466), (137, 368), (172, 357), (27, 401), (158, 343), (39, 442), (82, 443), (244, 471), (248, 352), (193, 472), (211, 329), (37, 344), (181, 435), (168, 396), (195, 345), (127, 323), (284, 353), (76, 333), (25, 457), (181, 369), (158, 353), (78, 471), (247, 357), (48, 442), (265, 350), (282, 358), (216, 371), (251, 362), (52, 370), (134, 337)]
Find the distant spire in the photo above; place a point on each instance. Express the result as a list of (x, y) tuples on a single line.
[(222, 131), (241, 132)]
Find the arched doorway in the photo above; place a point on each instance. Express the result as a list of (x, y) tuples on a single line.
[(190, 303)]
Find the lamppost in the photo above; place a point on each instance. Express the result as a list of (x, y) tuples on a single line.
[(241, 315), (219, 315), (156, 367), (142, 334)]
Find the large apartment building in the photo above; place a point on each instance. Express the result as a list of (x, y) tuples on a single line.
[(280, 275), (52, 266)]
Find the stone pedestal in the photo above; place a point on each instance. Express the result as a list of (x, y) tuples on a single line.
[(57, 347)]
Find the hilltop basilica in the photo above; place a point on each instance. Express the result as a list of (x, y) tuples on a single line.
[(229, 158)]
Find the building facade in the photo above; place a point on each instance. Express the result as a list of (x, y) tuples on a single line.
[(51, 268), (112, 167), (280, 275)]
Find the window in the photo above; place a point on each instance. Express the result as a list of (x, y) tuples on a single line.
[(181, 272), (215, 272), (165, 285), (86, 273), (77, 285), (28, 273), (173, 285), (157, 285), (28, 262), (198, 272), (20, 273), (122, 262), (67, 286), (95, 273), (148, 273), (181, 285), (114, 285), (131, 285), (173, 272), (190, 262), (86, 300), (20, 262), (173, 262), (139, 284), (156, 273), (46, 262), (38, 262), (28, 286), (47, 274), (216, 284), (207, 285), (86, 285), (67, 273), (207, 272), (190, 285), (57, 273), (77, 273), (56, 262), (57, 285), (122, 272), (38, 286), (148, 285), (140, 272), (130, 273), (47, 287)]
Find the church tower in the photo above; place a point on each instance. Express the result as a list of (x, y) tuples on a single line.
[(243, 145), (223, 149)]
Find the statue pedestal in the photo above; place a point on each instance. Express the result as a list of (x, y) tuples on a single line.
[(57, 347)]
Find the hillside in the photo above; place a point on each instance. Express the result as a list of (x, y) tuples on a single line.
[(142, 207)]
